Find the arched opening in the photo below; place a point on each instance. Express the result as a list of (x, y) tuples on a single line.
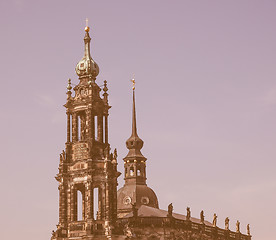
[(71, 128), (138, 172), (96, 127), (131, 171), (95, 203), (79, 206), (79, 128)]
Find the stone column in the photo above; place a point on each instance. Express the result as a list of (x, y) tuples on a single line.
[(69, 203), (75, 128), (100, 201), (100, 128), (83, 203), (82, 127), (73, 204), (88, 124), (88, 200), (68, 127), (92, 126), (106, 129), (107, 202), (61, 201)]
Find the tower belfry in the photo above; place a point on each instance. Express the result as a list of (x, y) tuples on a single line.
[(87, 171)]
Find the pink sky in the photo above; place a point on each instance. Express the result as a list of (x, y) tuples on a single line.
[(205, 95)]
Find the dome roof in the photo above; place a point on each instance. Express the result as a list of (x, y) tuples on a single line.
[(87, 67), (139, 194)]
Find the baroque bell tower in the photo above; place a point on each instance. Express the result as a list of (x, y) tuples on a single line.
[(87, 170)]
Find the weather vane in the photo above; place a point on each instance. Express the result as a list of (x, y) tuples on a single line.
[(133, 82)]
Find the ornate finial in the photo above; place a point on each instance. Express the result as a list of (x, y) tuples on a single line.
[(69, 87), (227, 223), (105, 94), (86, 27), (202, 217), (87, 67), (215, 220), (188, 217), (133, 82), (105, 89), (248, 229)]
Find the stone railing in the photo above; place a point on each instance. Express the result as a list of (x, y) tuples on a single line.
[(77, 226), (185, 225)]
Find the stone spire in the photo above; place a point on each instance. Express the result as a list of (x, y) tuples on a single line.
[(87, 67), (135, 190), (134, 143)]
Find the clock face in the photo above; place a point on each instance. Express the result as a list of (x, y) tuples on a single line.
[(127, 200)]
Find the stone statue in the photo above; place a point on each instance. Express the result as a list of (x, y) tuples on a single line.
[(248, 229), (227, 223), (238, 226), (170, 209), (215, 220), (188, 214), (115, 153), (62, 156), (202, 216)]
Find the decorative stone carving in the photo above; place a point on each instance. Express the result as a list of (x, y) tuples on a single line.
[(215, 220), (248, 229), (238, 226), (170, 209), (202, 217), (227, 223), (188, 217)]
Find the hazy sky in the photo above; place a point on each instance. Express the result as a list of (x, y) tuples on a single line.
[(205, 95)]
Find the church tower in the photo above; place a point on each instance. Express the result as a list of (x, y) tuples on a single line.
[(87, 171), (135, 191)]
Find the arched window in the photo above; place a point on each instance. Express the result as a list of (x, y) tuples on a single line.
[(95, 202), (131, 171), (80, 206)]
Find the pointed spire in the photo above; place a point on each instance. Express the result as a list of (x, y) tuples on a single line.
[(134, 143), (134, 128)]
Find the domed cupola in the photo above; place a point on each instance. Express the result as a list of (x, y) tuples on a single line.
[(87, 67)]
